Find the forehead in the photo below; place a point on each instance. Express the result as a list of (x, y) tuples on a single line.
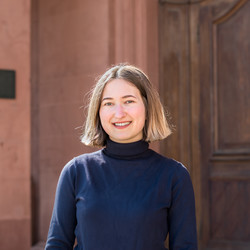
[(120, 87)]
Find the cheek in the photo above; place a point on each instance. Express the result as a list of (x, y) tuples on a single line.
[(104, 116), (140, 113)]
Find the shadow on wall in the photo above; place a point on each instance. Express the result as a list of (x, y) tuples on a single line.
[(39, 246)]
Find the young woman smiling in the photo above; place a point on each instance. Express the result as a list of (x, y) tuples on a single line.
[(122, 111), (124, 196)]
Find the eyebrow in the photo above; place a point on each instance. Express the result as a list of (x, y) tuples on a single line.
[(124, 97)]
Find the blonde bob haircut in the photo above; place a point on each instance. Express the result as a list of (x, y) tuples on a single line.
[(156, 125)]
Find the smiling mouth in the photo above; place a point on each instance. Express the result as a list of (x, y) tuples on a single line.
[(121, 124)]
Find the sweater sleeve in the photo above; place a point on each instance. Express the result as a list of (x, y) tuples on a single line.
[(63, 222), (181, 216)]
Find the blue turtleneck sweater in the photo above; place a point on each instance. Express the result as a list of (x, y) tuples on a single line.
[(123, 197)]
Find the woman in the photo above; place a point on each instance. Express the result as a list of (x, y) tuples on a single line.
[(124, 196)]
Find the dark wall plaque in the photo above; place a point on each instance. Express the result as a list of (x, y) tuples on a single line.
[(7, 83)]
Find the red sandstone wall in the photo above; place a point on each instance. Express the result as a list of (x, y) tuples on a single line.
[(70, 48), (15, 127), (72, 43)]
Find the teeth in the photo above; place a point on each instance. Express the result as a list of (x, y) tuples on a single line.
[(122, 124)]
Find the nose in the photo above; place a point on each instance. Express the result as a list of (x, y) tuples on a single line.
[(119, 111)]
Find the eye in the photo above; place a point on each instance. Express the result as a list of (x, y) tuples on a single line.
[(108, 104), (129, 101)]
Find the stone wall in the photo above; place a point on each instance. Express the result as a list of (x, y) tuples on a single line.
[(57, 49), (15, 212)]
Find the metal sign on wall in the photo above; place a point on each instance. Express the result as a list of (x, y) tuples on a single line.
[(7, 84)]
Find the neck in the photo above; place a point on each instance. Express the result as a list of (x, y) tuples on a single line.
[(126, 150)]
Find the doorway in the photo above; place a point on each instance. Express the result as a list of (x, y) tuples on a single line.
[(205, 83)]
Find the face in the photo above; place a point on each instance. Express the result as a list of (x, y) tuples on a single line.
[(122, 111)]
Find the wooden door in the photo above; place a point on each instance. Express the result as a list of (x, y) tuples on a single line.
[(205, 83)]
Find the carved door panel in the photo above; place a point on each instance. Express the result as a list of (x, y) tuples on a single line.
[(209, 66), (224, 28)]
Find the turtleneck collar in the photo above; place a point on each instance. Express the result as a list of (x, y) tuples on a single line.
[(126, 150)]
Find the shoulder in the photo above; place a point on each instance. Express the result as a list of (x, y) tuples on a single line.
[(88, 157), (172, 166), (168, 162), (77, 163)]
